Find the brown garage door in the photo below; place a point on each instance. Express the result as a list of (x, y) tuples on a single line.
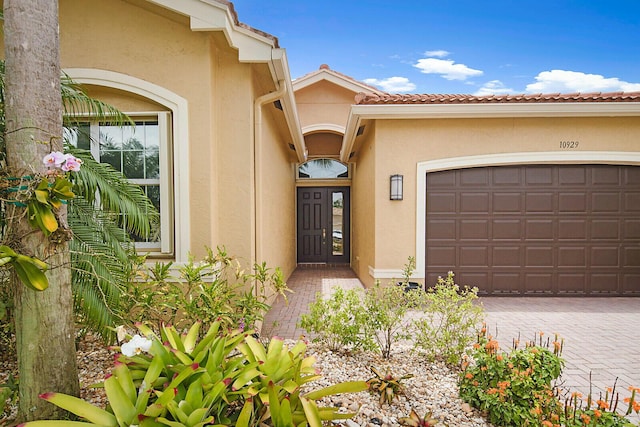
[(536, 230)]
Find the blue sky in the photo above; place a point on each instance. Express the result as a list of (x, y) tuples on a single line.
[(460, 46)]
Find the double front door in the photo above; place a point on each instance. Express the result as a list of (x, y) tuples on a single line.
[(323, 224)]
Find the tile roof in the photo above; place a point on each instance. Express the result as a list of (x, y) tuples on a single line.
[(232, 9), (386, 98)]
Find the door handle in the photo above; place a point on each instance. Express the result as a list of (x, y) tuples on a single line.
[(324, 233)]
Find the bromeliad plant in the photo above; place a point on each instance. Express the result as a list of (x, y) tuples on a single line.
[(227, 378), (387, 386)]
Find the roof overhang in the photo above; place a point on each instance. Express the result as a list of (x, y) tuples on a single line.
[(331, 76), (253, 47), (361, 113)]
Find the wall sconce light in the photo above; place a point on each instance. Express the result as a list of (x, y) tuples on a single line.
[(395, 190)]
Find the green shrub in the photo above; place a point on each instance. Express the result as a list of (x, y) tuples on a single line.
[(449, 322), (213, 289), (338, 321), (386, 311), (513, 388)]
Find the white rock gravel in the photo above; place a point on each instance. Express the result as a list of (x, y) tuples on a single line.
[(433, 387)]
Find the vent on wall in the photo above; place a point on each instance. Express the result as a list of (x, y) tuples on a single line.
[(293, 147), (278, 104), (360, 131)]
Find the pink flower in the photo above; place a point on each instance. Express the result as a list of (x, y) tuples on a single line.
[(71, 163), (53, 159)]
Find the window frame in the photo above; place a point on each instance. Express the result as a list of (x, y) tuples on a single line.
[(166, 171)]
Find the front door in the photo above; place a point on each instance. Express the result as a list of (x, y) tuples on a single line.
[(323, 224)]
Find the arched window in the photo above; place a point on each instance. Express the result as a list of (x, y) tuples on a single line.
[(323, 169)]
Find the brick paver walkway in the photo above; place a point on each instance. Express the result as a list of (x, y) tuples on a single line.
[(601, 334)]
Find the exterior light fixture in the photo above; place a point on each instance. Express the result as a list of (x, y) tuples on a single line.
[(395, 190)]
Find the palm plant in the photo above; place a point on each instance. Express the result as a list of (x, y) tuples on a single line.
[(107, 209)]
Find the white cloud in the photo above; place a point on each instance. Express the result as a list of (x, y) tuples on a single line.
[(447, 68), (437, 53), (392, 84), (572, 81), (494, 87)]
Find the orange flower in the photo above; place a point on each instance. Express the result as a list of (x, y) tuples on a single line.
[(536, 411), (499, 358), (475, 383), (602, 404), (476, 346), (597, 413), (469, 375), (483, 368), (546, 423), (586, 419)]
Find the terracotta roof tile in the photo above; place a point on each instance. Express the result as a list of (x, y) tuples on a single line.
[(232, 9), (386, 98)]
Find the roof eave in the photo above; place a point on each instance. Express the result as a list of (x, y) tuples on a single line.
[(362, 112)]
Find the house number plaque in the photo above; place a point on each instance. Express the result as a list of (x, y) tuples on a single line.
[(569, 145)]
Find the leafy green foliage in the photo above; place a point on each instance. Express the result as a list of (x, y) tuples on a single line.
[(387, 386), (449, 321), (212, 289), (386, 309), (339, 321), (227, 378)]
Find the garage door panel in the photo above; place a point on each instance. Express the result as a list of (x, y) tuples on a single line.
[(507, 202), (444, 229), (571, 283), (572, 202), (538, 176), (539, 202), (537, 230), (605, 257), (442, 203), (572, 257), (538, 283), (572, 229), (442, 257), (506, 283), (474, 229), (474, 256), (477, 177), (604, 283), (506, 256), (507, 229), (507, 176), (632, 201), (631, 229), (474, 202), (570, 175), (605, 176), (605, 202), (605, 229), (539, 256)]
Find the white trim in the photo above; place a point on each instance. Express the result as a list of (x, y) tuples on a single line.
[(390, 273), (553, 157), (332, 77), (180, 124), (323, 127), (358, 113)]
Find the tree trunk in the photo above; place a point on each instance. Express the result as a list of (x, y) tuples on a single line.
[(45, 336)]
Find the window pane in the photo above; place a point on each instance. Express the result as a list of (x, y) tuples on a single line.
[(337, 221), (133, 164), (323, 169), (111, 137), (78, 135), (113, 158)]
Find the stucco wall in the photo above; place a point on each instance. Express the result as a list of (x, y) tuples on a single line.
[(363, 209), (401, 144), (322, 103), (138, 39)]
